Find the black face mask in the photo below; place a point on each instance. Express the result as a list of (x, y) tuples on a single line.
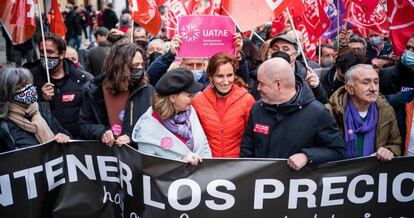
[(154, 55), (281, 54), (142, 43), (136, 75)]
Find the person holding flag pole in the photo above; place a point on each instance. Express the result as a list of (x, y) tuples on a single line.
[(58, 81)]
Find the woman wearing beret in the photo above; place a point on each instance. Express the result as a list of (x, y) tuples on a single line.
[(170, 128), (224, 107), (23, 121)]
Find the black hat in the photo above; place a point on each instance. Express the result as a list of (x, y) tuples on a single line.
[(288, 38), (176, 81)]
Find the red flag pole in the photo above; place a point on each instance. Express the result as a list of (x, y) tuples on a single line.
[(43, 41), (297, 37)]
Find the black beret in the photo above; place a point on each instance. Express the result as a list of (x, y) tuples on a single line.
[(176, 81)]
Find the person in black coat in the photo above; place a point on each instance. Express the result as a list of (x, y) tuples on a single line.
[(288, 122), (23, 121), (73, 23), (399, 78), (66, 81), (333, 78), (116, 99), (109, 17)]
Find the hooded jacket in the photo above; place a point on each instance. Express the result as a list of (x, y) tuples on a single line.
[(387, 133), (224, 136), (153, 138), (93, 118), (302, 124)]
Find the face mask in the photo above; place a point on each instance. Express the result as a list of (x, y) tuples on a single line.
[(197, 74), (154, 55), (327, 62), (375, 41), (27, 96), (137, 74), (52, 63), (407, 59), (142, 43), (281, 54)]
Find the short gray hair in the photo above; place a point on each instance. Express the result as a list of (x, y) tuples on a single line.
[(10, 78), (353, 69)]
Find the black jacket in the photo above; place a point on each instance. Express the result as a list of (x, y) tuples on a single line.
[(109, 19), (328, 81), (66, 102), (96, 57), (300, 125), (395, 79), (13, 137), (93, 119), (73, 24)]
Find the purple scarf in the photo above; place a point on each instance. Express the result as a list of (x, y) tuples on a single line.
[(354, 124), (180, 124)]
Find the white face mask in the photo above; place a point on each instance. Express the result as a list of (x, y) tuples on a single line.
[(197, 74)]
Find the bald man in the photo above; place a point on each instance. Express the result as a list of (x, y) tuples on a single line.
[(288, 122)]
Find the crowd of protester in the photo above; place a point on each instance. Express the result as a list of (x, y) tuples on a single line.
[(267, 101)]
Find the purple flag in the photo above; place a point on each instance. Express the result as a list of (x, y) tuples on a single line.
[(332, 13)]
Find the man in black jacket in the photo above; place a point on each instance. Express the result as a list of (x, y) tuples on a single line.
[(66, 81), (109, 17), (288, 122), (399, 78)]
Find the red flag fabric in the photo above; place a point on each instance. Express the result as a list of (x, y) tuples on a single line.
[(311, 20), (18, 18), (57, 26), (400, 16), (174, 9), (278, 24), (249, 14), (146, 14), (363, 22), (367, 6)]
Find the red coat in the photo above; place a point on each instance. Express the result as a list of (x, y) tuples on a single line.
[(224, 136)]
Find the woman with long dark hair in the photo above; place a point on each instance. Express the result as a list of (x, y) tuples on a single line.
[(114, 100)]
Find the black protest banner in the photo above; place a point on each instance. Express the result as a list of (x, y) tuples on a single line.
[(89, 179)]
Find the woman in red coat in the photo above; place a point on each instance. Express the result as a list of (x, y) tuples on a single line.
[(223, 108)]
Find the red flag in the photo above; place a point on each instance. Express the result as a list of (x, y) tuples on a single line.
[(174, 9), (146, 14), (57, 25), (400, 16), (376, 21), (278, 24), (18, 18), (311, 20), (367, 6), (249, 14)]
